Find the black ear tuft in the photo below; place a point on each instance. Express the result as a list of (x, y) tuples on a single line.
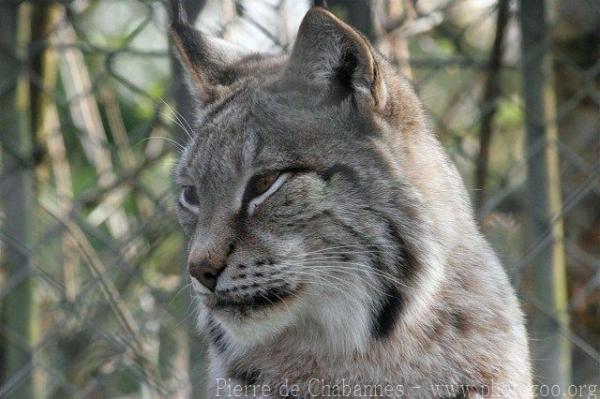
[(178, 14), (205, 60), (321, 3)]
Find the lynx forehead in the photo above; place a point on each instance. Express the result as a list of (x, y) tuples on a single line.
[(330, 239)]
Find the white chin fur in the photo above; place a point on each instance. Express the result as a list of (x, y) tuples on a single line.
[(261, 325), (330, 326)]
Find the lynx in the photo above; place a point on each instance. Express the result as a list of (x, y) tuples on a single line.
[(332, 247)]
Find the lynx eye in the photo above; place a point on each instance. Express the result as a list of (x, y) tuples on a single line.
[(189, 198), (262, 187), (263, 183)]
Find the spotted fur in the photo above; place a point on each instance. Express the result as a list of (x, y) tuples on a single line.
[(365, 266)]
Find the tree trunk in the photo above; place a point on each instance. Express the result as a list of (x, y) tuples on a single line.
[(17, 202), (551, 349), (576, 45)]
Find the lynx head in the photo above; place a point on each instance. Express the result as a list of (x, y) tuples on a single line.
[(310, 192)]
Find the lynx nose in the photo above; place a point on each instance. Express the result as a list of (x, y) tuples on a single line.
[(205, 272)]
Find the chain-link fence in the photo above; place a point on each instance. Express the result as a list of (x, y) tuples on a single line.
[(94, 299)]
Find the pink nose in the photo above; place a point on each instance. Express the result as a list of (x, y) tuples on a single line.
[(205, 272)]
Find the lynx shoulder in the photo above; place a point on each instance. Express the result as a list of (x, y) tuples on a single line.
[(332, 245)]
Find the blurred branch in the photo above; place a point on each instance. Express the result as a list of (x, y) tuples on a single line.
[(61, 170), (45, 19), (116, 302), (489, 104), (391, 42), (86, 116), (46, 124), (410, 24), (98, 194), (99, 271), (248, 17), (117, 126), (400, 21)]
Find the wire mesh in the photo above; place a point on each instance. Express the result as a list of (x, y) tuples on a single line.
[(94, 115)]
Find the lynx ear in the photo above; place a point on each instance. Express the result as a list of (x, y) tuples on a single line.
[(328, 52), (206, 61)]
